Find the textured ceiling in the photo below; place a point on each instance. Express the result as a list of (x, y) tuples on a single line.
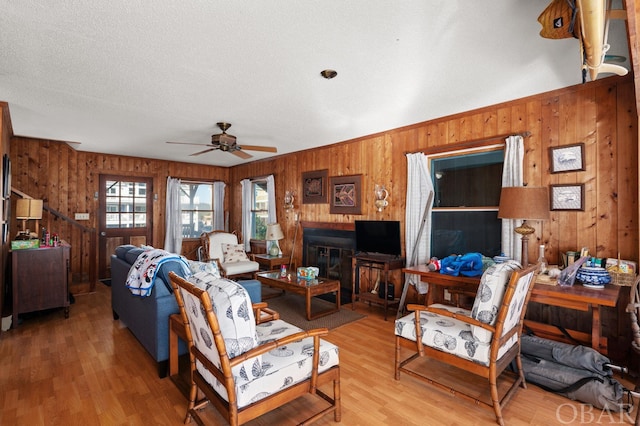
[(124, 77)]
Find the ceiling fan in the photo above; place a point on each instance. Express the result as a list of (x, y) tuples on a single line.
[(227, 143)]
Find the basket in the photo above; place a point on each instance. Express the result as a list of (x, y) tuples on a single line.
[(622, 278)]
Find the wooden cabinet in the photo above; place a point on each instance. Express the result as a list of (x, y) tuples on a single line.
[(40, 280), (373, 285)]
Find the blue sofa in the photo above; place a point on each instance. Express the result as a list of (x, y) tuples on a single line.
[(148, 317)]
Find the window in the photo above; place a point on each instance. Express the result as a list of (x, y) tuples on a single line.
[(196, 204), (126, 204), (467, 188), (259, 209)]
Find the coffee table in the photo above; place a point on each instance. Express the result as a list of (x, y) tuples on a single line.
[(306, 288)]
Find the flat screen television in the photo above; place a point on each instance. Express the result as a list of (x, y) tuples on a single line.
[(378, 237)]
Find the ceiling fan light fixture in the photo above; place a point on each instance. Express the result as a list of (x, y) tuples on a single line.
[(328, 74), (223, 139)]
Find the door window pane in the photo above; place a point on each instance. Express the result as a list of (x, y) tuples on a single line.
[(125, 198)]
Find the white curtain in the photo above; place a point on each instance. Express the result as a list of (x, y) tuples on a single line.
[(271, 197), (418, 210), (218, 206), (246, 213), (512, 175), (272, 216), (173, 232)]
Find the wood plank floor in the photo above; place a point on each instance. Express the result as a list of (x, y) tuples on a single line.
[(90, 370)]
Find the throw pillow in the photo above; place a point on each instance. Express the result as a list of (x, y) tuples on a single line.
[(493, 284), (233, 253), (209, 267)]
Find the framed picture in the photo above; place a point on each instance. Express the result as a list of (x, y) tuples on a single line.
[(567, 158), (345, 194), (567, 197), (314, 187)]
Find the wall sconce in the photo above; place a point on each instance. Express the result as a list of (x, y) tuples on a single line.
[(288, 200), (381, 197), (26, 209)]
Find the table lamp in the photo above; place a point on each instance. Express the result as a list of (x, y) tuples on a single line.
[(274, 233), (26, 209), (526, 203)]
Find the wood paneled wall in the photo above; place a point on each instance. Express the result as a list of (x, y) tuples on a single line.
[(68, 179), (600, 114)]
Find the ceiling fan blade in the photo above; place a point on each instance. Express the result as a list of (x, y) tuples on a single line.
[(241, 154), (259, 148), (202, 152), (190, 143)]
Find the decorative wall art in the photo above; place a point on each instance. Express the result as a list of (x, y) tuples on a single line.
[(314, 187), (567, 197), (345, 194), (567, 158)]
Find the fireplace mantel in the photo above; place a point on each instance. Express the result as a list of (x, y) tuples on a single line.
[(338, 226)]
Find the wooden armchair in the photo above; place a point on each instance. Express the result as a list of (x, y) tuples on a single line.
[(223, 248), (483, 341), (246, 369)]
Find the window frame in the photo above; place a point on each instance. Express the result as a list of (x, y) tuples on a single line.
[(436, 210), (192, 222), (259, 229)]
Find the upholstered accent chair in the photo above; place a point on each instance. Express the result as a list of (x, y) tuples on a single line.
[(246, 369), (223, 248), (483, 341)]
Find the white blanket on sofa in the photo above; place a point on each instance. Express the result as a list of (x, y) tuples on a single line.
[(142, 274)]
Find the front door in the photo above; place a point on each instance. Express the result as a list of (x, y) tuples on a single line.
[(125, 211)]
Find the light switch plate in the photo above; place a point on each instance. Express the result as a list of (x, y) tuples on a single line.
[(82, 216)]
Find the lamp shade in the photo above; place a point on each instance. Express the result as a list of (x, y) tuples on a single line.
[(274, 232), (524, 202), (28, 208)]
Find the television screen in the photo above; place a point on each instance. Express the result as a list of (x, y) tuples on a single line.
[(378, 236)]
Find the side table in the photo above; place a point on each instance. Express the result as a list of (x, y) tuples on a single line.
[(269, 263), (384, 265)]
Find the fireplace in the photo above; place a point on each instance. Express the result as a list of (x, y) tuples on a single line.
[(330, 247)]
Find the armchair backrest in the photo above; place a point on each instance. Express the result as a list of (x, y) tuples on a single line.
[(212, 243), (216, 340), (514, 304)]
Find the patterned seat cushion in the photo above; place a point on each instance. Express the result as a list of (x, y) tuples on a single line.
[(240, 267), (491, 291), (449, 334), (281, 367)]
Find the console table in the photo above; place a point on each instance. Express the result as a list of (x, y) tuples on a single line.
[(40, 280), (575, 297), (383, 264)]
